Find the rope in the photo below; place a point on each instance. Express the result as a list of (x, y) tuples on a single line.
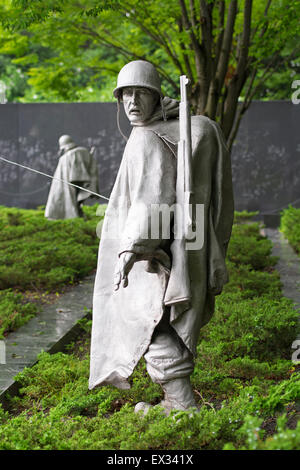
[(54, 178), (280, 208), (96, 194)]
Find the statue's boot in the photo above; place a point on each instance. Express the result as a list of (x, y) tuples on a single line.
[(178, 395)]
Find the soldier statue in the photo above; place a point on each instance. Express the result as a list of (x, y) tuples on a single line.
[(76, 165), (152, 294)]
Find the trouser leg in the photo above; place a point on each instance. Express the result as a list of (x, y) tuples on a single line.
[(170, 364), (167, 357)]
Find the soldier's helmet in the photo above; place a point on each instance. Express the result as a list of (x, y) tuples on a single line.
[(139, 73), (65, 142)]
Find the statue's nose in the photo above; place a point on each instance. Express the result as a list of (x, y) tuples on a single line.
[(134, 97)]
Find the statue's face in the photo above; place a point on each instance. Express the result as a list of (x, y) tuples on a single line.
[(139, 103)]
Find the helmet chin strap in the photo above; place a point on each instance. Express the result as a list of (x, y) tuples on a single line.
[(118, 120), (163, 109)]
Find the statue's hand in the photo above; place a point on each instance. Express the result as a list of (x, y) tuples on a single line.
[(124, 266)]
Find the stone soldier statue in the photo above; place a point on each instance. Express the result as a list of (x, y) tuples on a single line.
[(142, 305), (78, 166)]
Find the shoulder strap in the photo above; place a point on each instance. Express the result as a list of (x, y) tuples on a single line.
[(168, 131), (169, 143)]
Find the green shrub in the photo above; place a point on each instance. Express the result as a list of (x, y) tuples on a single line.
[(253, 434), (36, 253), (244, 216), (14, 311), (290, 226), (46, 254), (281, 394), (248, 247), (252, 283), (256, 327)]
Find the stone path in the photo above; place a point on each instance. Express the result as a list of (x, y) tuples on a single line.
[(49, 331), (288, 266)]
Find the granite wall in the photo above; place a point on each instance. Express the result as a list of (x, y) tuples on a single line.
[(29, 135), (265, 157)]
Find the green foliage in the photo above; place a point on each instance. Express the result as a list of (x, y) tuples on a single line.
[(248, 247), (286, 392), (13, 77), (284, 439), (14, 311), (290, 226), (39, 66), (45, 254), (243, 379), (253, 283), (244, 216), (252, 326), (73, 50)]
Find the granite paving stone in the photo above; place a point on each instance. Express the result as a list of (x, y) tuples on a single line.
[(288, 266)]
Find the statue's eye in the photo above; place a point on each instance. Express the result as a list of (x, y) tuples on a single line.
[(127, 94), (145, 92)]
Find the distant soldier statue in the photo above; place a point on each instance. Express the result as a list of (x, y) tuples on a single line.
[(152, 295), (76, 165)]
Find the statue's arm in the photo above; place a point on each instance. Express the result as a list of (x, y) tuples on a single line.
[(152, 187)]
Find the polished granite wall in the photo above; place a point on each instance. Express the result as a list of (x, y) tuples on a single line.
[(265, 156)]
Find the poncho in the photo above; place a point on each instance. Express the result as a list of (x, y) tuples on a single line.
[(124, 320), (76, 166)]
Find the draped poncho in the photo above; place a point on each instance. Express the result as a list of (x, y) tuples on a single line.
[(76, 166), (124, 320)]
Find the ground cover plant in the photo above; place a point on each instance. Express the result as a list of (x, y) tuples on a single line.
[(290, 226), (38, 256), (247, 387)]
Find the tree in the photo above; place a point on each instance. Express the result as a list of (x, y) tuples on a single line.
[(228, 48)]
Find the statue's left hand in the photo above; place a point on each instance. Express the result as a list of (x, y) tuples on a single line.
[(125, 264)]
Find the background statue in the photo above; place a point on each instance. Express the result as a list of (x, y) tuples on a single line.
[(78, 166), (146, 301)]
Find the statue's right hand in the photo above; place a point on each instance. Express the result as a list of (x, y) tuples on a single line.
[(124, 266)]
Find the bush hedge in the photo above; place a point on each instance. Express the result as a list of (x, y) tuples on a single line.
[(290, 226)]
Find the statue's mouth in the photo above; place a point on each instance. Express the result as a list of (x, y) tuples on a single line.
[(134, 111)]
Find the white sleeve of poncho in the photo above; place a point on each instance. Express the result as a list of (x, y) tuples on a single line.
[(151, 170)]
